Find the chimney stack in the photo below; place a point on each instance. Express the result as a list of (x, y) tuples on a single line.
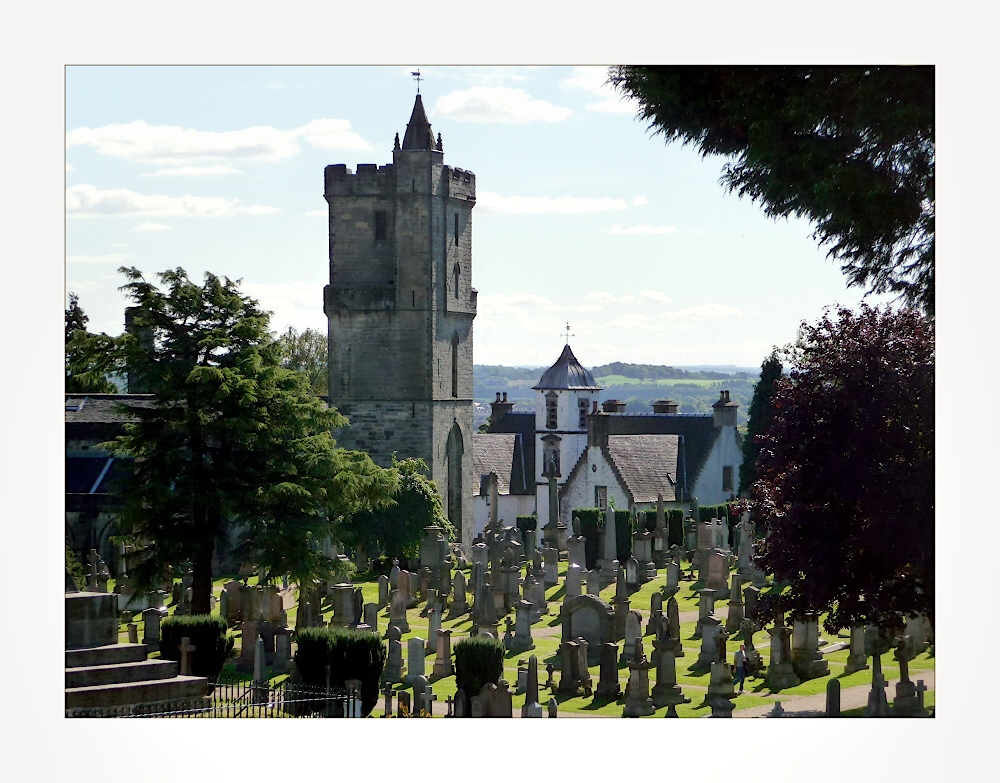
[(613, 406), (664, 406), (724, 411), (499, 409)]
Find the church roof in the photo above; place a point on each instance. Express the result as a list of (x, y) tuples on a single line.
[(698, 430), (105, 408), (567, 373), (646, 464), (501, 453), (419, 135)]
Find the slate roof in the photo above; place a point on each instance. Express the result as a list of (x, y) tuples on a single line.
[(419, 135), (523, 424), (494, 452), (697, 429), (646, 464), (567, 373), (104, 408)]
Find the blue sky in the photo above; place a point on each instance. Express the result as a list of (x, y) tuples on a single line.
[(582, 215)]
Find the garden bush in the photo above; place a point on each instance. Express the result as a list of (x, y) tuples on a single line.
[(208, 633), (591, 520), (478, 660), (350, 654)]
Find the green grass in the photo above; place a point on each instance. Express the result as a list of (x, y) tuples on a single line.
[(547, 636)]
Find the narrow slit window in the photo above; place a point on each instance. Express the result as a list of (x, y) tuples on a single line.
[(454, 366), (456, 228)]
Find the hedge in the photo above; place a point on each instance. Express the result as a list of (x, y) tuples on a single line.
[(478, 660), (624, 526), (591, 521), (350, 654), (524, 524), (208, 633)]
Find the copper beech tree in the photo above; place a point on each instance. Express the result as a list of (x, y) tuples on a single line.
[(846, 487)]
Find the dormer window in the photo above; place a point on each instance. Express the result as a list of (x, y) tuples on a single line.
[(551, 410)]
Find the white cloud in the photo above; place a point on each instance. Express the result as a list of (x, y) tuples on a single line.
[(713, 310), (636, 321), (88, 200), (593, 79), (317, 213), (193, 171), (152, 227), (497, 104), (546, 205), (108, 258), (655, 296), (640, 201), (506, 304), (640, 229), (171, 145), (604, 296), (589, 309), (291, 304)]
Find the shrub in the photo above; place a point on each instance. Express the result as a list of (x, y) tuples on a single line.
[(209, 635), (478, 660), (524, 524), (75, 569), (350, 654), (675, 527), (591, 520)]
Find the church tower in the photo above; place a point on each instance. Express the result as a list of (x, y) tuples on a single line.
[(400, 306)]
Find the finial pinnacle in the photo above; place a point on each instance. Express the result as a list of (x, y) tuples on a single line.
[(416, 74), (568, 335)]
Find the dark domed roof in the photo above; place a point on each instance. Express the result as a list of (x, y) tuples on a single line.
[(567, 373)]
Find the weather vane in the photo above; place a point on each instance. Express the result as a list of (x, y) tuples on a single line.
[(416, 74), (568, 335)]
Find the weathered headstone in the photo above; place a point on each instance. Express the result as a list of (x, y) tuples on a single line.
[(856, 659), (734, 618), (666, 691), (573, 580), (633, 634), (780, 673), (414, 659), (397, 611), (383, 590), (151, 629), (637, 699), (522, 628), (282, 650), (807, 660), (593, 579), (833, 698), (185, 648), (718, 573), (706, 609), (655, 615), (393, 670), (442, 658), (608, 686), (459, 604), (371, 616), (609, 562)]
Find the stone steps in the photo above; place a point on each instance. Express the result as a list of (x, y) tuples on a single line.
[(106, 656), (121, 694), (129, 671)]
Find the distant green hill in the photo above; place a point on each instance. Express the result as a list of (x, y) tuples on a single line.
[(638, 385)]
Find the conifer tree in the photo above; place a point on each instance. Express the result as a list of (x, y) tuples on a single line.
[(759, 418), (233, 436), (83, 376)]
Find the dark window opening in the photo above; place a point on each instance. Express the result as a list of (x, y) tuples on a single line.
[(454, 366), (456, 228), (380, 224), (551, 410), (727, 478)]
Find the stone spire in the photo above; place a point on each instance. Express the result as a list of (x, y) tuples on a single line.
[(419, 135)]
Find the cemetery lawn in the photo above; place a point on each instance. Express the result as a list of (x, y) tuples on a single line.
[(546, 634)]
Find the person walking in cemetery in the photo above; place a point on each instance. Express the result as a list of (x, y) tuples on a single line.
[(740, 661)]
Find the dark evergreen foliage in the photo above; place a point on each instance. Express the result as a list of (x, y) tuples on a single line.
[(478, 660), (350, 654), (591, 520), (84, 375), (208, 633), (759, 419), (849, 148)]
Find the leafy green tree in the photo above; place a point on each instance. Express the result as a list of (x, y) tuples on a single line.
[(307, 352), (396, 529), (849, 148), (233, 436), (82, 376), (759, 418), (847, 471)]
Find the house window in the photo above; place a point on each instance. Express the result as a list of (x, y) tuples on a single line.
[(380, 224), (601, 497), (584, 407), (551, 410), (727, 478)]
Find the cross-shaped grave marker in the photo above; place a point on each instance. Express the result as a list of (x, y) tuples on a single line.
[(921, 689), (185, 649), (428, 697)]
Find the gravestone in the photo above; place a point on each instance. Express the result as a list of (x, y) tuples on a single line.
[(383, 591), (666, 691), (414, 659), (631, 574), (151, 629), (133, 633), (608, 686), (371, 616), (397, 611), (734, 619), (532, 707), (673, 576), (856, 659), (718, 574), (573, 580), (633, 634), (575, 678), (751, 597), (282, 650), (609, 561), (637, 699), (420, 687), (553, 707), (593, 578), (589, 617), (709, 652), (833, 698), (706, 609), (403, 704), (807, 660), (393, 670), (522, 628), (550, 557), (459, 604), (433, 626), (674, 626), (576, 547), (780, 673), (906, 704), (442, 658), (621, 604), (249, 630), (655, 615), (343, 605), (660, 534)]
